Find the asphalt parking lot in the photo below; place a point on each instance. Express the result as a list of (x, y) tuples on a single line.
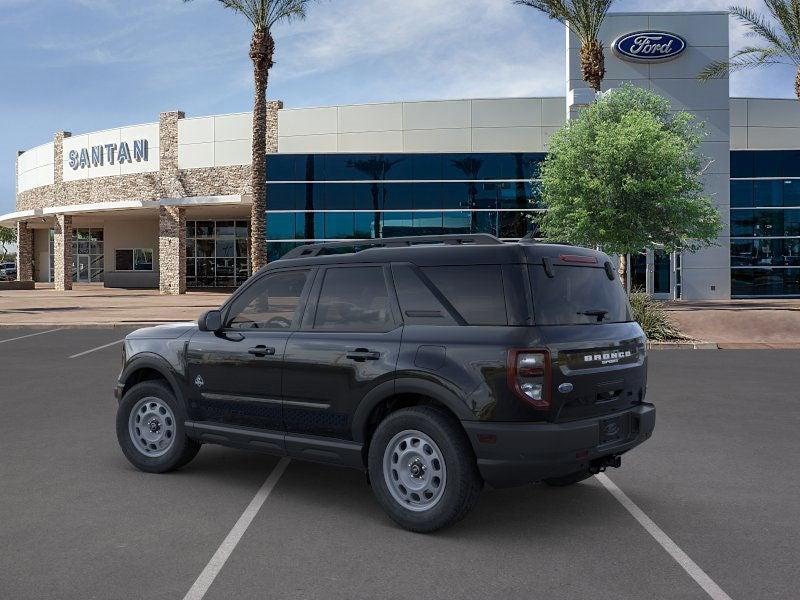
[(719, 477)]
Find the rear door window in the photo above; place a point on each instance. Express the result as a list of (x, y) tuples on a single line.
[(354, 299), (577, 296), (475, 291)]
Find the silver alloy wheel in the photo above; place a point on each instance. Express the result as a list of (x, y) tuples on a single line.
[(414, 470), (151, 426)]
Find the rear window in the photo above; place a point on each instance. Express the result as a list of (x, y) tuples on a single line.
[(475, 291), (577, 296)]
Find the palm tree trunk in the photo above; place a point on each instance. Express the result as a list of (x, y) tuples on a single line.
[(262, 48), (623, 271), (797, 84), (593, 64)]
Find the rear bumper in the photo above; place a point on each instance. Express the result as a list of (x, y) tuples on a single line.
[(523, 453)]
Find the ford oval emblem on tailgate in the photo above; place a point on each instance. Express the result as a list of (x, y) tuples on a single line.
[(565, 388)]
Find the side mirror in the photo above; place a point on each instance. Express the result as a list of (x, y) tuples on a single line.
[(210, 321)]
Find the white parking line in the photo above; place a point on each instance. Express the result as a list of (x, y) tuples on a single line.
[(688, 565), (214, 566), (22, 337), (79, 354)]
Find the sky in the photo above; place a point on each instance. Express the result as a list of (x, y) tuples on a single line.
[(86, 65)]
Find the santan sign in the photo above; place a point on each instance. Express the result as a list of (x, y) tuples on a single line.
[(97, 156), (649, 46)]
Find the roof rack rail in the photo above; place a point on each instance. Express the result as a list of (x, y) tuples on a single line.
[(309, 250)]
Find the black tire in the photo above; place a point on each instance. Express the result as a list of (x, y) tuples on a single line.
[(463, 481), (566, 480), (182, 450)]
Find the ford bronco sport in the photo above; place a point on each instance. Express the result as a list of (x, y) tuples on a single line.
[(435, 364)]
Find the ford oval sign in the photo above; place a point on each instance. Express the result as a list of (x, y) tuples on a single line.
[(649, 46)]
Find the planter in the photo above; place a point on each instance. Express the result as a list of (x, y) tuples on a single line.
[(16, 285)]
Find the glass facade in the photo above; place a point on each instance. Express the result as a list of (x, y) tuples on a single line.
[(217, 253), (765, 223), (330, 197)]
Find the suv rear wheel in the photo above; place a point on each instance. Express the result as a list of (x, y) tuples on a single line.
[(422, 469), (150, 429)]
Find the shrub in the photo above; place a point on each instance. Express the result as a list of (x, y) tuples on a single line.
[(653, 319)]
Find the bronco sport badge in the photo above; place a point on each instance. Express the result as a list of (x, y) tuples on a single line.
[(607, 358)]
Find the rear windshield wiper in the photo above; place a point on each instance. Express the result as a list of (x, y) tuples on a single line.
[(599, 313)]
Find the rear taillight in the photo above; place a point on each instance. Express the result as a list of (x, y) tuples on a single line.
[(529, 376)]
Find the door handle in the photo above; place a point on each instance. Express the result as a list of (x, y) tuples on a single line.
[(262, 351), (362, 354)]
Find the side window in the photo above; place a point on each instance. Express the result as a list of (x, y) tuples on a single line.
[(270, 303), (353, 299), (476, 292), (419, 305)]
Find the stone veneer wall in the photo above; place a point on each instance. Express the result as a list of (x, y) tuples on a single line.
[(169, 182), (24, 252), (62, 251), (172, 250), (217, 181)]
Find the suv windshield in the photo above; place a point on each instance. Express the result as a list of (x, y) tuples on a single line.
[(577, 296)]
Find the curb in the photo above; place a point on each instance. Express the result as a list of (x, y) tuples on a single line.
[(682, 346)]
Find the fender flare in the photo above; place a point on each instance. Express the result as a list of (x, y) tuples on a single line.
[(149, 360), (422, 387)]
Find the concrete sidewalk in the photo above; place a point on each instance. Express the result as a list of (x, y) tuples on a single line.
[(740, 323), (94, 305), (733, 324)]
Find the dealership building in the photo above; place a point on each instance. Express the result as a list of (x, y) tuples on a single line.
[(167, 204)]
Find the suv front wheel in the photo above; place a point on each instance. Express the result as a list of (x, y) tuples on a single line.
[(422, 469), (150, 429)]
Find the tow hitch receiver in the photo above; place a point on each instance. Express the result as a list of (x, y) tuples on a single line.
[(601, 464)]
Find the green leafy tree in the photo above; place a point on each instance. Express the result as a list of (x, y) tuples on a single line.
[(7, 237), (584, 19), (263, 15), (778, 40), (625, 176)]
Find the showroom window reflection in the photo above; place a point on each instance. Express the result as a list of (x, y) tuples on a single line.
[(314, 198), (765, 223)]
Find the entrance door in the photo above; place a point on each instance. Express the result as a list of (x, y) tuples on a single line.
[(662, 275), (638, 272), (83, 269), (235, 374), (652, 272)]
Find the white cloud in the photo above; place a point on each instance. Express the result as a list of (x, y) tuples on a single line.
[(422, 48)]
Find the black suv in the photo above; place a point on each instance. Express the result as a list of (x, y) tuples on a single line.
[(434, 364)]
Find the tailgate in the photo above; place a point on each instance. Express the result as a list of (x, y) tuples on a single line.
[(596, 369)]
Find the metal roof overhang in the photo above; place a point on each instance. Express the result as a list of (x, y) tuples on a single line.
[(11, 219)]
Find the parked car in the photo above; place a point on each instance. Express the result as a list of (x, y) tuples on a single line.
[(8, 271), (436, 365)]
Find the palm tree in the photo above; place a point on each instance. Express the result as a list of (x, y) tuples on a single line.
[(263, 15), (471, 167), (584, 19), (780, 41), (376, 168)]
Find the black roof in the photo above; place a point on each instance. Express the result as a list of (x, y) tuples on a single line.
[(438, 250)]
